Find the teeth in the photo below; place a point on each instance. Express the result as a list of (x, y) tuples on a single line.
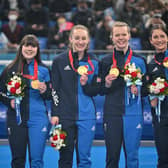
[(28, 52)]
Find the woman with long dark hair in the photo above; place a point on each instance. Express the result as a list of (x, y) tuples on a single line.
[(158, 68), (32, 128)]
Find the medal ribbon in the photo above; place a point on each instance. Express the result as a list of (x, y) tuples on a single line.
[(35, 76), (127, 61), (165, 58), (159, 63), (89, 61)]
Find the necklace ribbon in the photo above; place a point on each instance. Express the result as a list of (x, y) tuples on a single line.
[(159, 63), (127, 61), (35, 76), (89, 61)]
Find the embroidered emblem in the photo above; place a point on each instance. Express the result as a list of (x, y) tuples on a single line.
[(155, 69), (55, 97), (67, 68), (44, 129), (139, 126)]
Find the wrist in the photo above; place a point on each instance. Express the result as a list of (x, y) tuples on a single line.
[(108, 85)]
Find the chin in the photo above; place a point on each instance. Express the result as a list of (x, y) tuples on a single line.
[(161, 48), (80, 49)]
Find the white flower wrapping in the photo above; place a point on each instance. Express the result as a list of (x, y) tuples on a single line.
[(158, 84), (132, 67), (132, 73), (15, 90), (14, 85), (57, 137)]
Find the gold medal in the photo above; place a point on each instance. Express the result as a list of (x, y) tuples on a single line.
[(114, 71), (35, 84), (165, 63), (82, 70)]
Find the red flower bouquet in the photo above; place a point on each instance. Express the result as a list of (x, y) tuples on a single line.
[(15, 88), (159, 87), (57, 137), (132, 75)]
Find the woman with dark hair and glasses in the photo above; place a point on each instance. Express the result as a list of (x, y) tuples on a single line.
[(32, 129)]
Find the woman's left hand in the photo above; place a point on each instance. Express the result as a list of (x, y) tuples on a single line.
[(42, 87), (83, 79)]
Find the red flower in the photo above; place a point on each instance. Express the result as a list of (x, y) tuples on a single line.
[(10, 83), (127, 72), (162, 90), (154, 84), (17, 85), (62, 136), (134, 74), (166, 84), (165, 59), (55, 137), (53, 145), (13, 90)]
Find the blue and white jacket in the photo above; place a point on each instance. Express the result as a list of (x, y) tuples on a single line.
[(71, 100), (118, 100), (33, 105)]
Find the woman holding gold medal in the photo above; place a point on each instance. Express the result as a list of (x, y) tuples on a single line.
[(123, 117), (32, 130), (158, 67), (75, 82)]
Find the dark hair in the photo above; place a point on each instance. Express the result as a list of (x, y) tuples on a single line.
[(19, 59), (157, 26)]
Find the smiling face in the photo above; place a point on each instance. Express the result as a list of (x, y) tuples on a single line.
[(120, 37), (29, 51), (159, 40), (79, 40)]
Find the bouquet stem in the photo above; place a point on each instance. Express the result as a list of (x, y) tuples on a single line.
[(17, 108)]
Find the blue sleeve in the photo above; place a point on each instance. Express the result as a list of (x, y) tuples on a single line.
[(47, 94)]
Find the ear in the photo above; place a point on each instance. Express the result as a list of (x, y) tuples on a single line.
[(150, 39)]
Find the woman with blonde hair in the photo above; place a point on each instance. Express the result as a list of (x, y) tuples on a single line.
[(75, 82)]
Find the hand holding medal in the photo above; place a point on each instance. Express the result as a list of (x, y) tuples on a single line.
[(114, 71), (109, 79), (41, 86), (82, 70), (83, 79), (165, 62), (35, 84)]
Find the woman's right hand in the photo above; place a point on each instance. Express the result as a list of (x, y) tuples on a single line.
[(12, 103), (154, 102), (108, 80), (54, 120)]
